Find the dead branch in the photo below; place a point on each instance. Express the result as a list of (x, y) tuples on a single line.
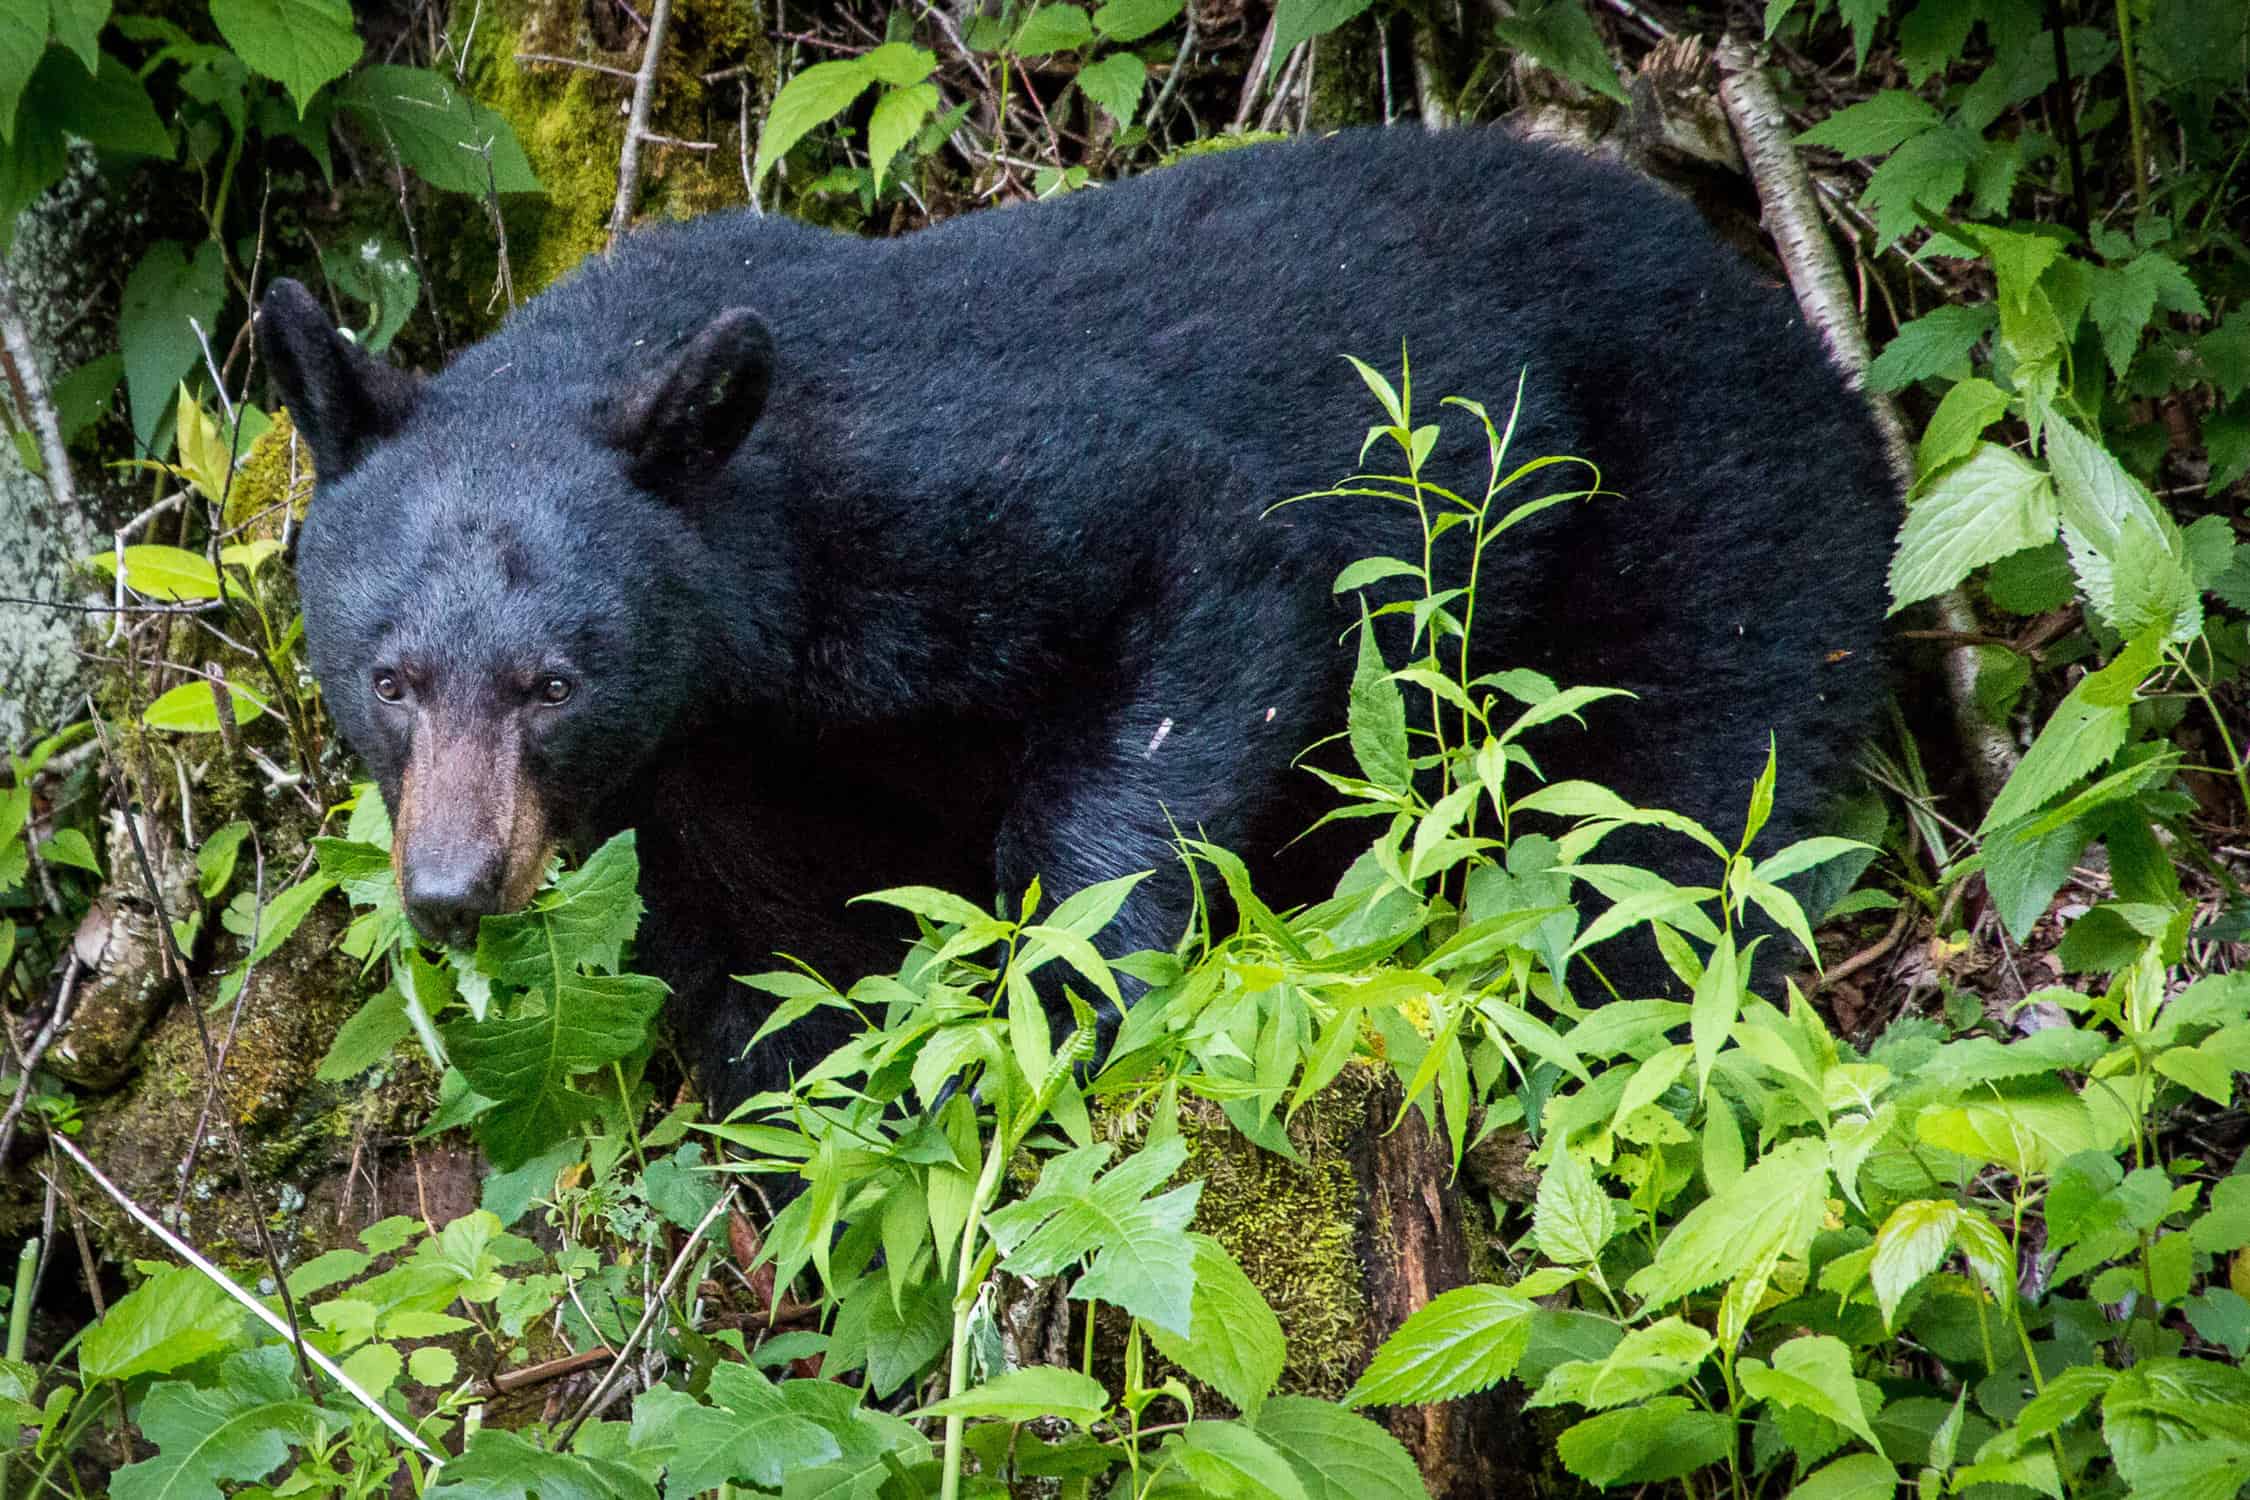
[(636, 122)]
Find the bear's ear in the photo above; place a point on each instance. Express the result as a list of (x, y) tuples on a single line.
[(689, 417), (343, 401)]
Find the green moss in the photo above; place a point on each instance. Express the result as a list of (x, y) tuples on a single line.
[(571, 122), (1212, 144), (1293, 1226), (267, 476)]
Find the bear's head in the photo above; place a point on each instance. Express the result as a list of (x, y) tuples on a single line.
[(507, 601)]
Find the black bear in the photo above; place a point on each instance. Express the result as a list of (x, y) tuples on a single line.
[(832, 564)]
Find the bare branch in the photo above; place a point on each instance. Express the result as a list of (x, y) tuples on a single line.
[(636, 122), (39, 405)]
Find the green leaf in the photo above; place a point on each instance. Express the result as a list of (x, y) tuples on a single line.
[(1028, 1394), (300, 44), (1376, 717), (1459, 1343), (1933, 344), (525, 1062), (1969, 407), (2085, 730), (174, 1318), (78, 26), (2024, 871), (1913, 1242), (1813, 1373), (1665, 1439), (193, 707), (1338, 1454), (1928, 171), (2129, 555), (497, 1464), (166, 295), (1296, 21), (2126, 297), (1237, 1347), (2163, 1409), (1571, 1215), (1880, 124), (1052, 28), (110, 110), (1855, 1476), (1116, 84), (2024, 1131), (1646, 1362), (1229, 1458), (23, 38), (1560, 35), (172, 574), (69, 847), (899, 1340), (241, 1428), (749, 1433), (1135, 1239), (1130, 20), (808, 100), (585, 919), (898, 115), (1772, 1209), (440, 131)]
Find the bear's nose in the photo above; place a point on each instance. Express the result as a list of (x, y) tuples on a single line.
[(446, 897)]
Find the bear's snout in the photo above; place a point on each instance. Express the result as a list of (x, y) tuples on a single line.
[(447, 895)]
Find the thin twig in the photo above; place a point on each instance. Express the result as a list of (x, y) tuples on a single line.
[(56, 1020), (636, 122), (649, 1314), (258, 1309), (576, 62)]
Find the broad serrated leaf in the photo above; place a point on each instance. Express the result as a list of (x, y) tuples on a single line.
[(242, 1427), (2024, 1131), (1338, 1454), (1461, 1342), (1874, 126), (1649, 1444), (1135, 1239), (1115, 83), (1773, 1209), (174, 1318), (585, 919), (497, 1464), (300, 44), (898, 115), (1572, 1217), (1237, 1347), (525, 1062), (749, 1433), (1855, 1476), (1813, 1373), (1052, 27), (1230, 1458), (1646, 1362), (1558, 34), (1933, 344), (1981, 510)]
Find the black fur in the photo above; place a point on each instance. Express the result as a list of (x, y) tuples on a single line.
[(1003, 516)]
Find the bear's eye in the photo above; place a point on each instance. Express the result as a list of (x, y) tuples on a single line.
[(553, 690), (388, 688)]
